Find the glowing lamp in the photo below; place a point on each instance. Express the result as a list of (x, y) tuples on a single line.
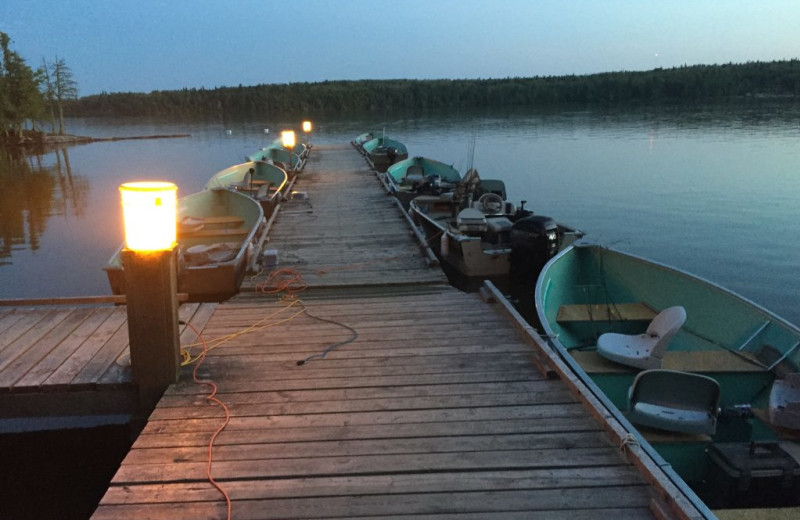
[(149, 215), (287, 138), (306, 126)]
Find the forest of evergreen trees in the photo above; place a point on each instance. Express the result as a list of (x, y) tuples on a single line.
[(700, 83)]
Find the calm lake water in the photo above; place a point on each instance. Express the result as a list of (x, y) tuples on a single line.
[(712, 191)]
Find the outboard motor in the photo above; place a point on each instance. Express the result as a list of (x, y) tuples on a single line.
[(534, 241)]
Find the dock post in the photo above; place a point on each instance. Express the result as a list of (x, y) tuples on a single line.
[(152, 305)]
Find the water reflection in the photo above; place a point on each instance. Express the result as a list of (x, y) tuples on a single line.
[(708, 189), (34, 188)]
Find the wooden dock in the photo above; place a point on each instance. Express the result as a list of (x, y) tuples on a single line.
[(378, 392), (359, 385), (347, 232)]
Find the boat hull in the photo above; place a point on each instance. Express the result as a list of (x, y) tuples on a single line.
[(410, 178), (383, 152), (462, 253), (263, 181), (589, 290), (290, 162), (381, 160), (483, 256), (232, 224)]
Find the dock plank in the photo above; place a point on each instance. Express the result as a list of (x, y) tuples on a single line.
[(35, 329), (39, 373), (112, 326)]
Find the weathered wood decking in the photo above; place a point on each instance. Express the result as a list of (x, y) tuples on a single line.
[(429, 407), (63, 362), (435, 408), (348, 232)]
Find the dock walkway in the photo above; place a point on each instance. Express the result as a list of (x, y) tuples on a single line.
[(377, 392)]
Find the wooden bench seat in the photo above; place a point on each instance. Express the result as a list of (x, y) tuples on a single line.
[(635, 311), (682, 360), (654, 436), (215, 232), (225, 219)]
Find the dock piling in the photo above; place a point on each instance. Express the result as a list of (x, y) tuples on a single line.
[(152, 307)]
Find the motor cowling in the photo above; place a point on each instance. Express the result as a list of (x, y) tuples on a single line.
[(534, 241), (537, 236)]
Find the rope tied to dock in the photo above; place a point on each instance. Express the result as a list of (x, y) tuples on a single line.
[(629, 440)]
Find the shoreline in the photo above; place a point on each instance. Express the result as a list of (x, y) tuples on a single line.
[(49, 140), (79, 139)]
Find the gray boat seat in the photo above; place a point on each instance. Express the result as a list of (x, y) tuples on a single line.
[(498, 230), (674, 401), (415, 173), (498, 224), (471, 220), (263, 191), (784, 402), (643, 350)]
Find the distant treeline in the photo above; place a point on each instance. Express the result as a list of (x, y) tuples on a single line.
[(700, 83)]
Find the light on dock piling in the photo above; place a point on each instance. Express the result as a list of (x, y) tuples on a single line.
[(307, 131), (151, 287), (149, 214), (287, 139)]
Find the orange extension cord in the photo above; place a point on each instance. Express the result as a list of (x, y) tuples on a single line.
[(212, 398)]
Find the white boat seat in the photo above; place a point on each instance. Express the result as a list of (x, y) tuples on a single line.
[(784, 402), (471, 220), (674, 401), (643, 350)]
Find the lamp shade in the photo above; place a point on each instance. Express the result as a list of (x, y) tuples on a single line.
[(306, 126), (287, 139), (149, 215)]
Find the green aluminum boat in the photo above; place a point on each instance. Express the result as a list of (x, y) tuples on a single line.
[(420, 176), (218, 232), (291, 162), (706, 378), (263, 181), (383, 152), (360, 139)]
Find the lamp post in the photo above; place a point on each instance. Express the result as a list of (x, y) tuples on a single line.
[(149, 259), (307, 131), (288, 141)]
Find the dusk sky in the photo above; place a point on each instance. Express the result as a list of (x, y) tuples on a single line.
[(145, 45)]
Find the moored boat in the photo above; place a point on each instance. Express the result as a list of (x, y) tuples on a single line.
[(416, 176), (708, 378), (291, 161), (217, 233), (477, 231), (383, 152), (360, 139), (263, 181)]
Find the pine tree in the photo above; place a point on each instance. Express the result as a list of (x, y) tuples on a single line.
[(20, 99), (64, 88)]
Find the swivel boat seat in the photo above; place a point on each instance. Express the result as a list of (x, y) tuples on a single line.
[(674, 401), (643, 350)]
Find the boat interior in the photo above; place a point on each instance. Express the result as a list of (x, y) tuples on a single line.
[(728, 373)]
